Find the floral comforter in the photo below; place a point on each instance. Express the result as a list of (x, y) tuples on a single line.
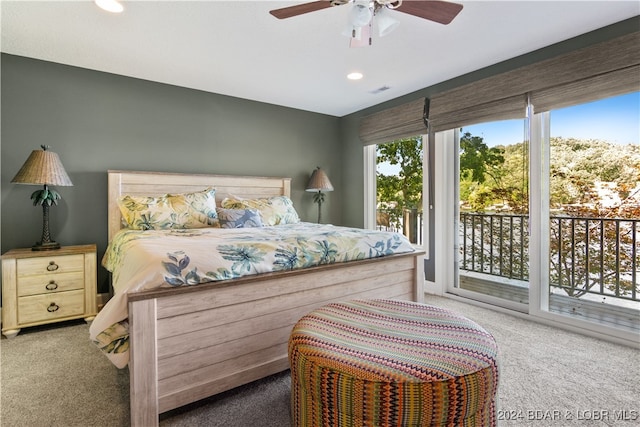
[(142, 260)]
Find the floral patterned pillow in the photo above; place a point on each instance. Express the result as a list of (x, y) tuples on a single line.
[(274, 210), (239, 218), (170, 211)]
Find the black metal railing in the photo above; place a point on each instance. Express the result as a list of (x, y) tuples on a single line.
[(495, 244), (586, 255)]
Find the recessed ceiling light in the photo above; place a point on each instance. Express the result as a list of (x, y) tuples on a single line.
[(354, 76), (110, 5)]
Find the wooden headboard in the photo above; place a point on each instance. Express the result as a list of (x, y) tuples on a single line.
[(139, 183)]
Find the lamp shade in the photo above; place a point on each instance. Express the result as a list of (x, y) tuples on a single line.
[(42, 167), (319, 181)]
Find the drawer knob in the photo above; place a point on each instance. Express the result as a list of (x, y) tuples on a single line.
[(53, 307), (52, 286), (52, 266)]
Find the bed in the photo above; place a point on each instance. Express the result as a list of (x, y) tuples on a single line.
[(185, 343)]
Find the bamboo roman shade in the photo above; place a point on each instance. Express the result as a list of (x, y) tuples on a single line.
[(598, 71), (513, 107), (617, 82), (394, 123)]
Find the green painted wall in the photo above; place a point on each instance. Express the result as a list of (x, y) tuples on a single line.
[(98, 121)]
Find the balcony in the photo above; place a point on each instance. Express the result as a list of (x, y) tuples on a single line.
[(593, 264)]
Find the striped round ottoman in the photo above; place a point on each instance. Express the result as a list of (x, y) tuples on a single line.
[(391, 363)]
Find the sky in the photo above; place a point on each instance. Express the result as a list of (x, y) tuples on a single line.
[(615, 120)]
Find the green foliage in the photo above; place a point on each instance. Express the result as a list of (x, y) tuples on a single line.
[(405, 189), (318, 197), (480, 160), (46, 197), (397, 193), (493, 177), (478, 165), (577, 165), (498, 176)]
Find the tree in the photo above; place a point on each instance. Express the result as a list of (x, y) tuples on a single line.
[(480, 172), (478, 160), (577, 166), (401, 192)]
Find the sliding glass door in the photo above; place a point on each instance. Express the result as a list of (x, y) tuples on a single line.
[(539, 215), (547, 214), (492, 208)]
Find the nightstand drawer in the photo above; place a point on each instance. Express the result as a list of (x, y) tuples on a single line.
[(50, 283), (54, 264), (40, 287), (49, 307)]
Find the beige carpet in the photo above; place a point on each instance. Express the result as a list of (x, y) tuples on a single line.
[(551, 377), (53, 376)]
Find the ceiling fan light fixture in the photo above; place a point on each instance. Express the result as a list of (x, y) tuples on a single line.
[(360, 14), (385, 23), (364, 12), (112, 6)]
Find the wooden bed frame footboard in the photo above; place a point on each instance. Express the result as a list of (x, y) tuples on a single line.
[(191, 343)]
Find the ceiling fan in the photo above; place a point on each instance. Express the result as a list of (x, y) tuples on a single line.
[(363, 12)]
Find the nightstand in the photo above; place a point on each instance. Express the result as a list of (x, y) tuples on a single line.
[(40, 287)]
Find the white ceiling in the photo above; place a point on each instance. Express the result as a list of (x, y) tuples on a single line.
[(237, 48)]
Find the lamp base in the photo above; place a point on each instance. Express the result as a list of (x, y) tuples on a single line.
[(48, 246)]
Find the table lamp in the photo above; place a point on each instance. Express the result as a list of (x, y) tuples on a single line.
[(319, 182), (43, 167)]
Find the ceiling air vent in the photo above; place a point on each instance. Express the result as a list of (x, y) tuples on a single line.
[(379, 90)]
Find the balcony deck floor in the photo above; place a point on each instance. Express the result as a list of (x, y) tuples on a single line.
[(601, 313)]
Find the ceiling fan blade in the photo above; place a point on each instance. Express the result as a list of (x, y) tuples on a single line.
[(299, 9), (442, 12)]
